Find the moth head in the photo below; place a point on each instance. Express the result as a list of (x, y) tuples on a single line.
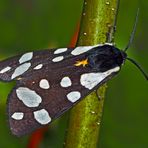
[(106, 57)]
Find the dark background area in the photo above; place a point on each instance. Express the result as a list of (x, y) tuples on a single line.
[(28, 25)]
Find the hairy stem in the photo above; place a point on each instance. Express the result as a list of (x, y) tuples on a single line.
[(97, 26)]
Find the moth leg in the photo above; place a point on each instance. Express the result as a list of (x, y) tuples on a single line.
[(97, 94)]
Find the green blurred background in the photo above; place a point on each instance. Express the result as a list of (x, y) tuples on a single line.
[(34, 24)]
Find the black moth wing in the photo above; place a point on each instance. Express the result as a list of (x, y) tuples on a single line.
[(55, 102), (54, 99), (43, 94), (50, 71)]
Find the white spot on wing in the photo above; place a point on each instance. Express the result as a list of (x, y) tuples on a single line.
[(60, 50), (5, 69), (29, 97), (20, 70), (73, 96), (111, 44), (42, 116), (38, 66), (26, 57), (57, 59), (90, 80), (18, 116), (82, 49), (44, 84), (65, 82)]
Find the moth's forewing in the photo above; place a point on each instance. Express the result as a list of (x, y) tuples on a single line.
[(51, 85)]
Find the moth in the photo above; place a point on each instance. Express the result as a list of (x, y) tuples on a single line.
[(50, 82)]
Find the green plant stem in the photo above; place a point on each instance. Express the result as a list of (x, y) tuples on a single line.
[(97, 26)]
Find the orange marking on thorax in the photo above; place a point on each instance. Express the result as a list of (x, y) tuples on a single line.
[(83, 63)]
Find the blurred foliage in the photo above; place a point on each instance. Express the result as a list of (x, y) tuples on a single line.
[(29, 24)]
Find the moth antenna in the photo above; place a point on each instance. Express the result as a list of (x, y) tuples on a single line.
[(133, 32), (139, 67)]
